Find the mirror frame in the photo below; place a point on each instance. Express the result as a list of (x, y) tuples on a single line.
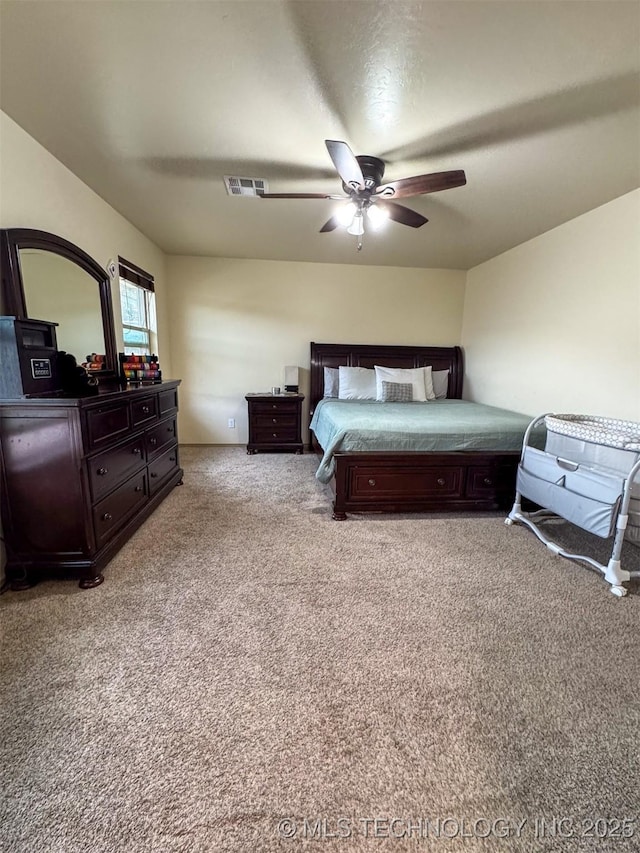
[(14, 239)]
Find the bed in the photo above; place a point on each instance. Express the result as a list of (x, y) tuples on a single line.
[(458, 471)]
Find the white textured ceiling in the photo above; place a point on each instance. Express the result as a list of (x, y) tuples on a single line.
[(151, 103)]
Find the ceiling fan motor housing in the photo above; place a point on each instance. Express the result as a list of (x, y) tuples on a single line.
[(372, 171)]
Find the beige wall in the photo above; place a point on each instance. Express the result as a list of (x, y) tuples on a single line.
[(554, 324), (39, 192), (237, 323)]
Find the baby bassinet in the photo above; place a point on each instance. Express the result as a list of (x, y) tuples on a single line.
[(588, 474)]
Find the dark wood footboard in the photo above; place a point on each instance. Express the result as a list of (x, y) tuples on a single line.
[(423, 482)]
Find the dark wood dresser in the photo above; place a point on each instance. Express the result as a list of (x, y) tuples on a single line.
[(80, 475), (275, 422)]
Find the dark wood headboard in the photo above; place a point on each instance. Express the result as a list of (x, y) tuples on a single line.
[(367, 355)]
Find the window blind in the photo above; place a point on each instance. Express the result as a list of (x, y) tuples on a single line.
[(135, 274)]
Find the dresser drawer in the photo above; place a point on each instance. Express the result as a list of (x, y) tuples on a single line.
[(144, 411), (168, 401), (108, 469), (112, 512), (106, 424), (162, 467), (159, 437), (281, 406), (407, 484)]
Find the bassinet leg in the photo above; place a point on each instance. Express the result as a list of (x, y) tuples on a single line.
[(614, 574), (516, 511)]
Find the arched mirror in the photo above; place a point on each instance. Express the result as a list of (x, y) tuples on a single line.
[(45, 277)]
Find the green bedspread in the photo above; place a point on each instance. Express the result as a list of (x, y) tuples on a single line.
[(440, 425)]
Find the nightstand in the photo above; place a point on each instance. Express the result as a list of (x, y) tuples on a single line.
[(275, 422)]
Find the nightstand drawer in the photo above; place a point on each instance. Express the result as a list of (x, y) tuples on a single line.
[(279, 405), (275, 420), (274, 436)]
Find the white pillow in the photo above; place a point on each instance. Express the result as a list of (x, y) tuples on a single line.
[(330, 382), (356, 383), (440, 383), (430, 394), (419, 377)]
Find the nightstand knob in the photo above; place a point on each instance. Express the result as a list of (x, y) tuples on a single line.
[(372, 482), (275, 434), (153, 441), (488, 481), (136, 450), (107, 516), (274, 420), (138, 489), (441, 481), (145, 410), (274, 406), (102, 471)]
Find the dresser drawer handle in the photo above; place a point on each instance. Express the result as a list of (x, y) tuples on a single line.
[(441, 481), (275, 434), (169, 429), (102, 471), (372, 482), (488, 481), (154, 475), (274, 420), (138, 489), (172, 459), (274, 406), (107, 516), (145, 410), (153, 441), (136, 450)]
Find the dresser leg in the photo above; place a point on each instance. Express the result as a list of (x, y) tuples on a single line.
[(89, 583)]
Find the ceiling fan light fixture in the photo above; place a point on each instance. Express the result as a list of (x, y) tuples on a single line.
[(357, 226), (377, 216), (345, 213)]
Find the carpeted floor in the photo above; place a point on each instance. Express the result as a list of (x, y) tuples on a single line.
[(253, 676)]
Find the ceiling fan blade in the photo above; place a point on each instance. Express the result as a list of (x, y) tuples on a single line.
[(421, 184), (345, 162), (330, 225), (297, 195), (403, 215)]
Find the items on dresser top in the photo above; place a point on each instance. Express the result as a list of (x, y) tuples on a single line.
[(137, 368), (81, 475), (275, 422)]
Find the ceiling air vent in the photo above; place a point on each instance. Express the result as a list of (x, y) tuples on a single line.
[(245, 186)]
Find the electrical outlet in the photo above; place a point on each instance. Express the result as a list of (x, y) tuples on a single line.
[(231, 423)]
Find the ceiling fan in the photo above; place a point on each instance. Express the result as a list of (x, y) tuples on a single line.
[(367, 198)]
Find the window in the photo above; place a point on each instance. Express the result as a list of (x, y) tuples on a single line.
[(138, 306)]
